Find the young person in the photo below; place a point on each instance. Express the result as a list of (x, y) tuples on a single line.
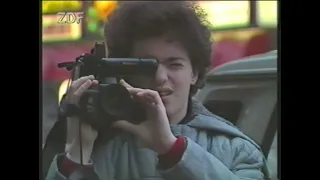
[(180, 139)]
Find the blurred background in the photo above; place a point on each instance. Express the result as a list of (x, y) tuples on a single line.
[(239, 28)]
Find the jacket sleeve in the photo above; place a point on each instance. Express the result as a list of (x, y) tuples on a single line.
[(62, 167), (245, 161), (101, 167)]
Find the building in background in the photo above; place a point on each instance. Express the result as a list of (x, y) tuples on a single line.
[(239, 28)]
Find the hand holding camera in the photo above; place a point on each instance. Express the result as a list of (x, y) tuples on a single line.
[(155, 131), (103, 102), (88, 134)]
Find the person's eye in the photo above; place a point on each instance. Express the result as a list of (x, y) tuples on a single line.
[(176, 64)]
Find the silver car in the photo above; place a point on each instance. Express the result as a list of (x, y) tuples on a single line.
[(245, 93)]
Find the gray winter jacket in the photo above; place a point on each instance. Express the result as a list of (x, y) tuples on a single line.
[(215, 150)]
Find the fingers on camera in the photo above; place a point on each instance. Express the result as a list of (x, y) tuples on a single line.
[(150, 96), (76, 84), (78, 87), (82, 88), (155, 95), (134, 91), (125, 84)]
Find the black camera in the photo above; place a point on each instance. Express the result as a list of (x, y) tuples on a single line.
[(109, 101)]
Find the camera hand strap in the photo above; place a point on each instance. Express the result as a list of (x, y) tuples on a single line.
[(80, 142)]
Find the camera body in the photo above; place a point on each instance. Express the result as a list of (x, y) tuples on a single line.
[(107, 102)]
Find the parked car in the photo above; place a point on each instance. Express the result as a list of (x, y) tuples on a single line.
[(245, 93)]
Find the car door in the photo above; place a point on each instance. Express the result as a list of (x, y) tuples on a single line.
[(245, 93)]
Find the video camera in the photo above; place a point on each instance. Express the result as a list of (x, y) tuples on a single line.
[(109, 101)]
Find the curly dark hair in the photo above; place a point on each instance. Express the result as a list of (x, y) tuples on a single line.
[(184, 21)]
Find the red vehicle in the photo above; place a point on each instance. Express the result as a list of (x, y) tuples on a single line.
[(235, 45)]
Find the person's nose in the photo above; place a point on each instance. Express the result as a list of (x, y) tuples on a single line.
[(161, 75)]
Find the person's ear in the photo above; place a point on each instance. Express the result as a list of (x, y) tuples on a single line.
[(194, 77)]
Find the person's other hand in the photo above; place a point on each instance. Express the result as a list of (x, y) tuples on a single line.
[(155, 132)]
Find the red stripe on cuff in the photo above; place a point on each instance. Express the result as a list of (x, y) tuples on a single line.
[(67, 167), (174, 155)]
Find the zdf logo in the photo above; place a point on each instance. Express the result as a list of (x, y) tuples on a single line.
[(69, 17)]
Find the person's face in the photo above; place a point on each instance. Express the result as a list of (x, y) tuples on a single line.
[(174, 75)]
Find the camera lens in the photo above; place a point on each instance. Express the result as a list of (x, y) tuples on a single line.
[(115, 100)]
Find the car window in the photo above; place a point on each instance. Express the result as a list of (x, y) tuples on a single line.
[(227, 109)]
